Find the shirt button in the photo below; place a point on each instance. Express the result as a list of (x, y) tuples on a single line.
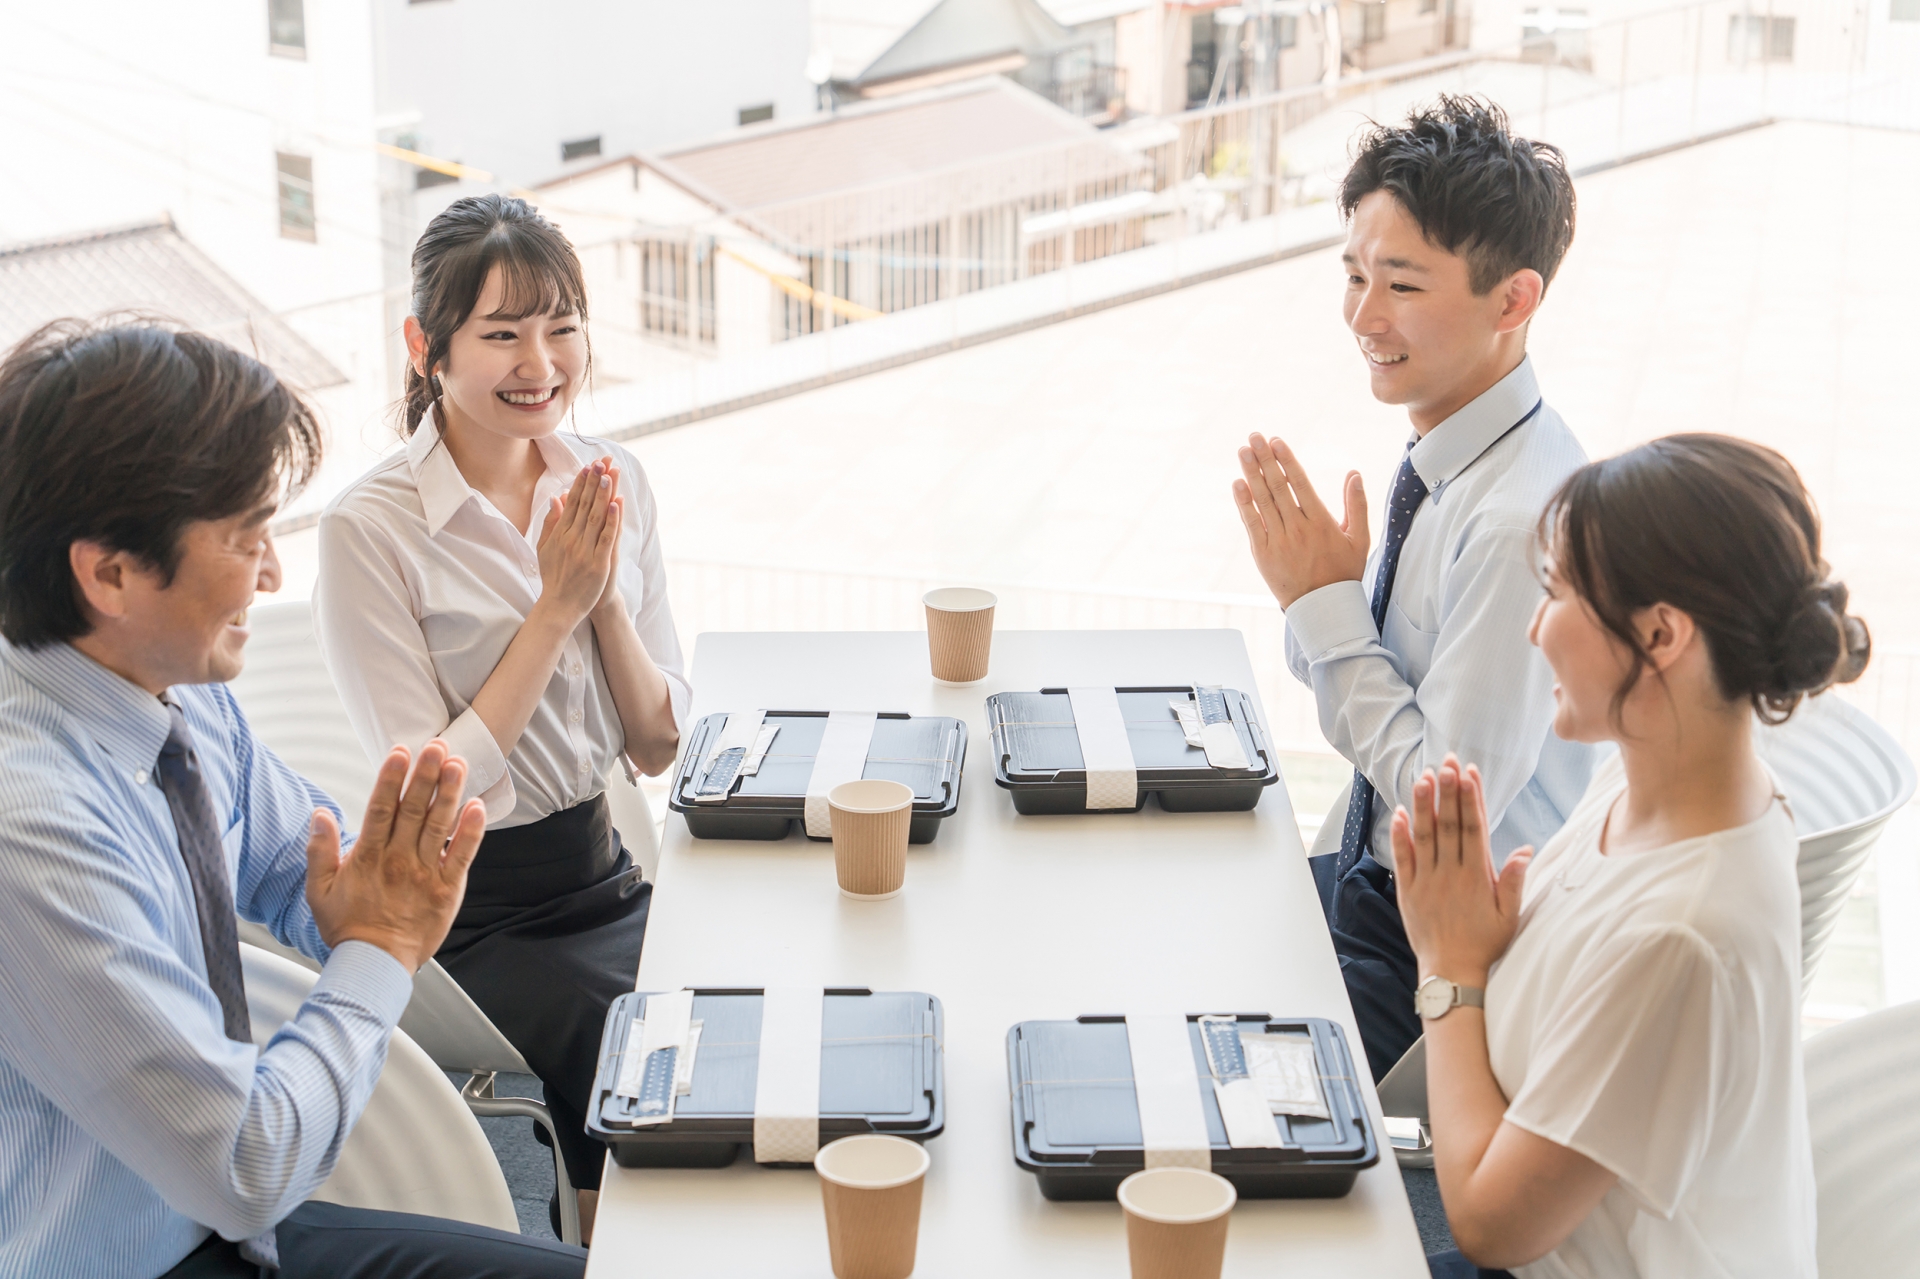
[(576, 717), (576, 670), (139, 777)]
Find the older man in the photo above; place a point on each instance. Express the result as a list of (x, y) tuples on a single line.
[(145, 1134)]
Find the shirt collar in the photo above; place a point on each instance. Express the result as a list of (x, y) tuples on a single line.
[(1458, 442), (130, 723), (443, 490)]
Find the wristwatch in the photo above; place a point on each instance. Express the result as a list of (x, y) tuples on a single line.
[(1436, 997)]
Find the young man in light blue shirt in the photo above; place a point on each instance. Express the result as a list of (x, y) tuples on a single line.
[(1456, 227), (142, 1133)]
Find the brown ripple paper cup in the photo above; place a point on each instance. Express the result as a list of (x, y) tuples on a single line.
[(871, 821), (959, 632), (871, 1188), (1177, 1222)]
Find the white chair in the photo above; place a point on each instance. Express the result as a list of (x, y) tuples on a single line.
[(1863, 1107), (1844, 777), (416, 1148), (291, 702)]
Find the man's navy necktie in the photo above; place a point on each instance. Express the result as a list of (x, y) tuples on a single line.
[(1409, 490), (199, 830)]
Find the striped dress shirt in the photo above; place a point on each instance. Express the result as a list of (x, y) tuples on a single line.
[(1452, 668), (130, 1125)]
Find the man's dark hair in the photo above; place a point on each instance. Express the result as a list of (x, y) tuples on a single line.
[(123, 434), (1502, 202)]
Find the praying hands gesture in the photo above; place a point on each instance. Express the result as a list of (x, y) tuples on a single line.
[(578, 541), (1460, 914), (1296, 544)]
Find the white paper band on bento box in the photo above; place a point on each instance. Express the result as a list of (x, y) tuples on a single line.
[(1111, 779), (1166, 1086), (842, 757), (786, 1097), (742, 729)]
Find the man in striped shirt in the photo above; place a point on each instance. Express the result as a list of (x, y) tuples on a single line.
[(142, 1133)]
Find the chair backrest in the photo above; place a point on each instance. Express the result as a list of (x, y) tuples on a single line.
[(293, 707), (416, 1148), (441, 1018), (1844, 777), (1863, 1107)]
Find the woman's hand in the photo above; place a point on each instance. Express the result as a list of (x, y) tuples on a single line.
[(577, 542), (610, 604), (1460, 916)]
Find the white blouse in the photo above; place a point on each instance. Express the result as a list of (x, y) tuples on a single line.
[(1647, 1015), (423, 583)]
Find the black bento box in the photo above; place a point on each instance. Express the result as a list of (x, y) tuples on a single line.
[(926, 752), (1036, 753), (880, 1072), (1076, 1122)]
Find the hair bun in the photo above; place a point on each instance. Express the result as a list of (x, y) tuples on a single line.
[(1820, 644)]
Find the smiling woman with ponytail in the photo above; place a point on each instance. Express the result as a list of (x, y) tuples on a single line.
[(498, 584)]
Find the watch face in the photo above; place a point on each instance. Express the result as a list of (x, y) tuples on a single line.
[(1435, 997)]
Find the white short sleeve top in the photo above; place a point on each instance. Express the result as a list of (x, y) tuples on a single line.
[(1647, 1015), (423, 583)]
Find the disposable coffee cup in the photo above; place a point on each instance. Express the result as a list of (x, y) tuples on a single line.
[(1177, 1222), (870, 1186), (871, 821), (959, 632)]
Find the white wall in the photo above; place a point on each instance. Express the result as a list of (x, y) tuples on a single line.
[(118, 111), (500, 84)]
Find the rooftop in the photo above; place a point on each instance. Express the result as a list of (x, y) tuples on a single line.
[(151, 268)]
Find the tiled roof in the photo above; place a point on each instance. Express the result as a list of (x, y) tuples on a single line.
[(880, 142), (148, 268)]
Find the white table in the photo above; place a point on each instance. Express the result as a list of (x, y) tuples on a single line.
[(1005, 918)]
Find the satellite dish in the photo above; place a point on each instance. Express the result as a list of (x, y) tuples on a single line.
[(819, 67)]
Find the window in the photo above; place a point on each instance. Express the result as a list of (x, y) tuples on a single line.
[(296, 196), (580, 148), (424, 178), (1758, 38), (1904, 11), (1287, 31), (1201, 61), (1373, 18), (754, 115), (287, 28)]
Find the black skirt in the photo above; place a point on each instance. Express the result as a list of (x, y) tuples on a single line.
[(547, 938)]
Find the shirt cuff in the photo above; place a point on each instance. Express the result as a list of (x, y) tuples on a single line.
[(1335, 614), (370, 976), (469, 738)]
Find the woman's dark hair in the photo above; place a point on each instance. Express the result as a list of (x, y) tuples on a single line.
[(124, 434), (1724, 531), (457, 252), (1505, 203)]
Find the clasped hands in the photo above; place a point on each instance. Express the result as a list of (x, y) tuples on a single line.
[(1297, 545), (580, 546), (1460, 913)]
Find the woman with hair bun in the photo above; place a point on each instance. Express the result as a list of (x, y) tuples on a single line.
[(499, 585), (1613, 1024)]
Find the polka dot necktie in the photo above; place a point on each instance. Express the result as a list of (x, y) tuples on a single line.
[(195, 822), (1409, 490)]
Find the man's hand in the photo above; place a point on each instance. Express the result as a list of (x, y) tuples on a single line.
[(1296, 545), (402, 881), (1460, 915)]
